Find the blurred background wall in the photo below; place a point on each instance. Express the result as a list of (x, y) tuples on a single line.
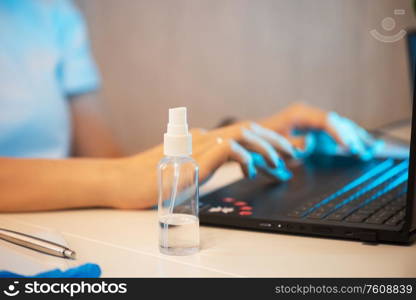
[(245, 58)]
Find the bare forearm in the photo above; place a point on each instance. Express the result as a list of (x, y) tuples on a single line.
[(37, 184)]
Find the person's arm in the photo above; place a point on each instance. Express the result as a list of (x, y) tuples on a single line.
[(126, 183), (42, 184), (130, 183), (90, 135)]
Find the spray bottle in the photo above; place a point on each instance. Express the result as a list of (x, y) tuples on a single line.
[(178, 189)]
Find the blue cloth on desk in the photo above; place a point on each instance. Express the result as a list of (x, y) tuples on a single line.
[(84, 271)]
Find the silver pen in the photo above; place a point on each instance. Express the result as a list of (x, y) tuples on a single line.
[(36, 243)]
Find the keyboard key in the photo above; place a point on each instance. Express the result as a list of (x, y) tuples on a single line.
[(397, 218), (316, 215), (228, 200), (245, 213), (385, 199), (295, 214), (314, 202), (331, 204), (343, 210), (246, 208), (392, 208), (335, 217), (402, 213), (402, 200), (379, 217), (373, 206), (384, 214), (374, 220), (393, 221), (304, 208), (356, 218), (365, 211)]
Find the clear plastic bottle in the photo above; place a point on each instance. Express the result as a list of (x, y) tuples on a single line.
[(178, 190)]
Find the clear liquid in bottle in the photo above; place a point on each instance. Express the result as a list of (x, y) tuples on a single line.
[(179, 234)]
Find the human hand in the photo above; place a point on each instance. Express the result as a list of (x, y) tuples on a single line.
[(137, 184)]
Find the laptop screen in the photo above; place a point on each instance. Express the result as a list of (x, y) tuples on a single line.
[(411, 44), (411, 210), (404, 130)]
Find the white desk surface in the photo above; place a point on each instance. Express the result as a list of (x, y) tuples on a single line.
[(125, 244)]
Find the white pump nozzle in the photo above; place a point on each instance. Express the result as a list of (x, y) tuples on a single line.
[(177, 116), (177, 139)]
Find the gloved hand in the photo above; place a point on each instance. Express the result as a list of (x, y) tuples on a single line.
[(311, 130), (296, 132), (355, 140)]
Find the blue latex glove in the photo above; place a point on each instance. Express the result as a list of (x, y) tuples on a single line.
[(260, 148), (358, 142), (281, 173), (84, 271)]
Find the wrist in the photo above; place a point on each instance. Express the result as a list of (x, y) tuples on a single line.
[(233, 131), (110, 182)]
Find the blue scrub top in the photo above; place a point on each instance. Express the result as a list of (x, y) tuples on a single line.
[(44, 58)]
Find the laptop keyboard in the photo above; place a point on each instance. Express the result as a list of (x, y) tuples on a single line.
[(378, 196)]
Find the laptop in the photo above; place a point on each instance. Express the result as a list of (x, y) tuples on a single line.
[(329, 196)]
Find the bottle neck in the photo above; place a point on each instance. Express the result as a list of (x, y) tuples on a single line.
[(177, 145)]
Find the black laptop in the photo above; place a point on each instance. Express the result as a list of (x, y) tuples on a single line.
[(329, 196)]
